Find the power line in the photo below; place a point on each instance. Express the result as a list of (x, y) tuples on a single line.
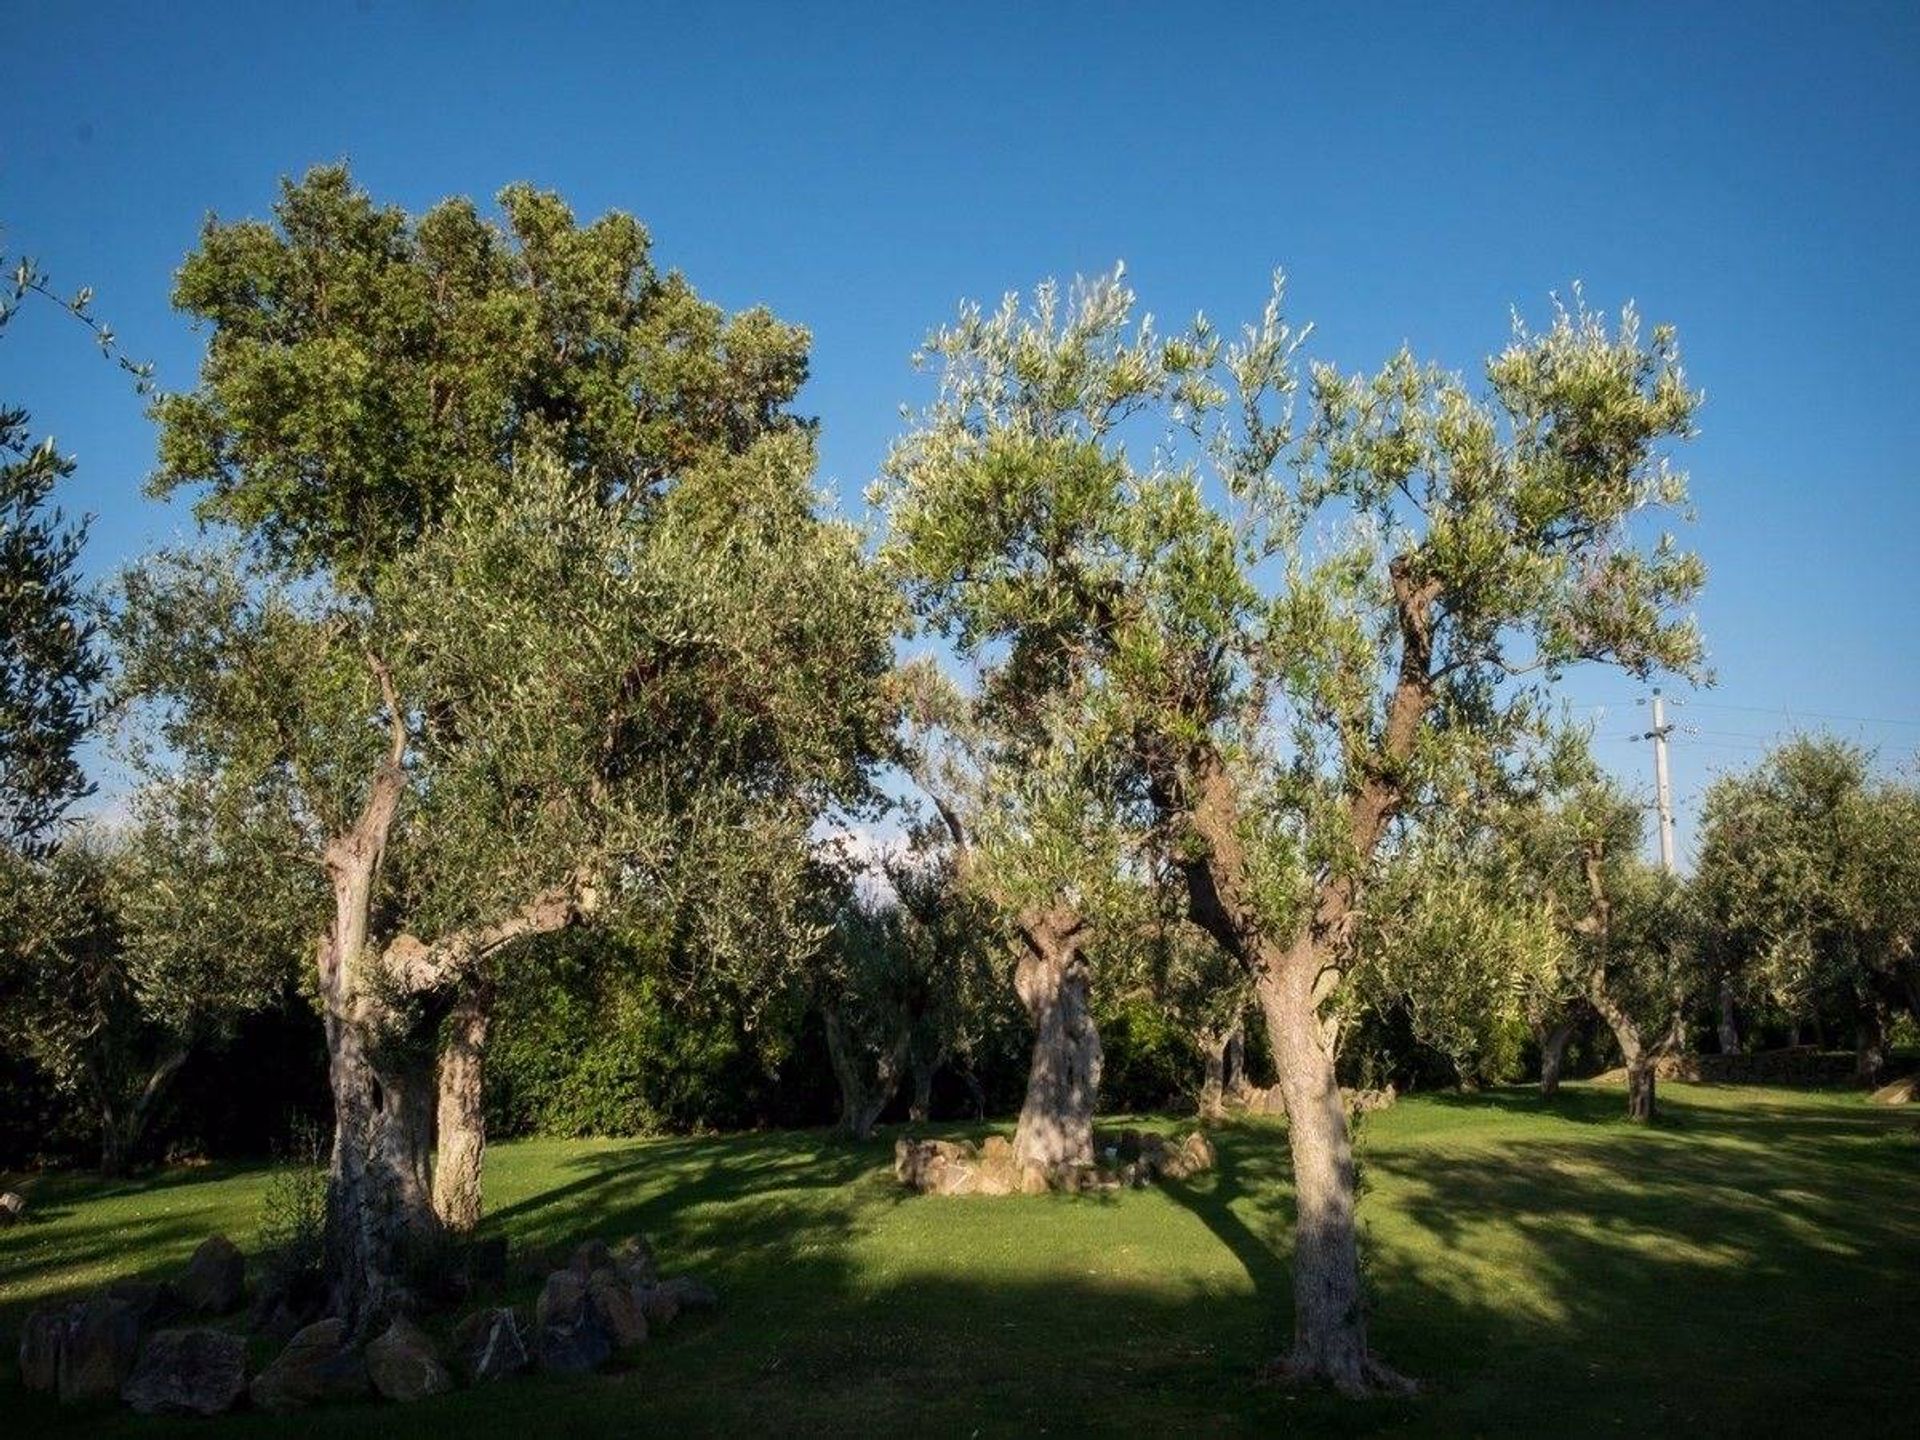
[(1792, 713)]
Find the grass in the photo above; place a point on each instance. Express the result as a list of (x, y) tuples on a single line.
[(1751, 1266)]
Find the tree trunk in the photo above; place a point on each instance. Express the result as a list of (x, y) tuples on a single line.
[(1237, 1087), (461, 1124), (1729, 1030), (379, 1198), (1329, 1309), (1553, 1057), (121, 1126), (1640, 1083), (924, 1069), (1056, 1121), (861, 1106), (976, 1093), (1871, 1051), (1213, 1089)]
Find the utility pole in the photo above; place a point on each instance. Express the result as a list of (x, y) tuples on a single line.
[(1662, 785)]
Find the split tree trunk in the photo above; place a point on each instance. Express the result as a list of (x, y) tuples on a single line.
[(1213, 1090), (1871, 1045), (379, 1202), (861, 1105), (1553, 1057), (921, 1105), (1729, 1031), (121, 1126), (1063, 1084), (461, 1123)]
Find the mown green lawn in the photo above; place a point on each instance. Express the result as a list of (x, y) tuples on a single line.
[(1751, 1266)]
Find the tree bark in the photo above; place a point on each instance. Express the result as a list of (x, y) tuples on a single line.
[(861, 1106), (460, 1140), (1728, 1028), (1063, 1083), (121, 1126), (1213, 1089), (1871, 1044), (924, 1069), (1553, 1057), (1640, 1088)]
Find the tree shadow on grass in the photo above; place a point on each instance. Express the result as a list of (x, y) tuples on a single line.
[(1553, 1276)]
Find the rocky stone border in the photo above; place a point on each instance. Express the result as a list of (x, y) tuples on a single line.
[(1131, 1158), (126, 1340)]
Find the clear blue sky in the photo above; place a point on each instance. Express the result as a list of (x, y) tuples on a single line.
[(1748, 172)]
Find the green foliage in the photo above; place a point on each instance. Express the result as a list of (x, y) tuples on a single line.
[(1809, 880), (363, 366), (590, 1040)]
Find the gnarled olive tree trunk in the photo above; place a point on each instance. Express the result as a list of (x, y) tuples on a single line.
[(1293, 976), (379, 1201), (1553, 1056), (861, 1104), (1728, 1028), (124, 1121), (924, 1068), (1224, 1053), (1063, 1084), (460, 1129)]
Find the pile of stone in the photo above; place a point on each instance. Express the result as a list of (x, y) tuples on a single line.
[(127, 1341), (1898, 1092), (13, 1208), (93, 1350), (960, 1167)]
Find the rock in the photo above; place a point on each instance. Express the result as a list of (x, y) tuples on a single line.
[(1195, 1155), (633, 1258), (615, 1310), (188, 1372), (216, 1277), (404, 1364), (1900, 1092), (286, 1305), (41, 1340), (937, 1167), (659, 1304), (13, 1208), (589, 1256), (996, 1149), (1365, 1102), (567, 1337), (1033, 1180), (98, 1350), (487, 1345), (316, 1366)]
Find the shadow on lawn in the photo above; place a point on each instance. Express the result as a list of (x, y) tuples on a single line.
[(1562, 1277)]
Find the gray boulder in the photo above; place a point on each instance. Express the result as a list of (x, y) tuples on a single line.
[(568, 1338), (13, 1208), (611, 1299), (317, 1365), (98, 1350), (404, 1363), (188, 1372), (488, 1345), (216, 1278), (633, 1258), (41, 1340)]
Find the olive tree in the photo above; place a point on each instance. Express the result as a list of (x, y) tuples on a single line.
[(131, 948), (1026, 789), (1302, 628), (530, 616), (1809, 886)]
